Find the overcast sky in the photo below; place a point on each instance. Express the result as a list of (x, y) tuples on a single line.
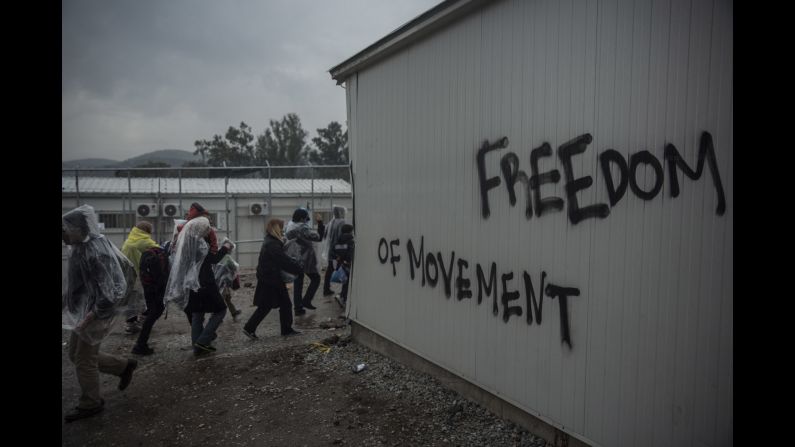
[(144, 75)]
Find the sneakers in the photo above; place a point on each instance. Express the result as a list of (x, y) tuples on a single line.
[(235, 314), (290, 333), (250, 335), (299, 312), (126, 376), (132, 328), (81, 413), (146, 350)]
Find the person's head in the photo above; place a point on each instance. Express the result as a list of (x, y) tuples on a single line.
[(196, 210), (144, 226), (347, 228), (77, 224), (300, 215), (318, 217), (339, 212), (274, 227)]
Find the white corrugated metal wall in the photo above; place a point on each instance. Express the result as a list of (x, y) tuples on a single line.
[(651, 331)]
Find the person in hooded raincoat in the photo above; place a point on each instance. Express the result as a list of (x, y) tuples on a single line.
[(302, 237), (228, 279), (195, 210), (138, 241), (191, 283), (97, 289), (271, 291), (332, 234)]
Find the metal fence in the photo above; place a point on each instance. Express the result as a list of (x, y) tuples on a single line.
[(310, 172)]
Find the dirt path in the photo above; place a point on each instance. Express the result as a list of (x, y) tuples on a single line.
[(275, 392)]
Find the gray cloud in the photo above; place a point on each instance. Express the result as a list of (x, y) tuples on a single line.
[(144, 75)]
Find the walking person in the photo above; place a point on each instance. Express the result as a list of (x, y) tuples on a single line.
[(302, 238), (98, 284), (343, 252), (154, 270), (332, 233), (228, 279), (271, 291), (321, 228), (195, 210), (191, 284), (138, 241)]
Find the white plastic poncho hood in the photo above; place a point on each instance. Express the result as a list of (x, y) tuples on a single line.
[(225, 272), (187, 258), (99, 278)]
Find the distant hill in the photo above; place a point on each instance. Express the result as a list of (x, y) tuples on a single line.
[(173, 157), (89, 163)]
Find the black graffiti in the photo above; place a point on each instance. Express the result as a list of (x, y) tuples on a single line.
[(507, 296), (536, 180), (613, 156), (393, 259), (430, 260), (447, 275), (430, 264), (706, 151), (386, 251), (563, 293), (493, 182), (416, 261), (490, 286), (462, 284), (534, 306), (512, 174), (573, 186), (616, 190), (649, 159)]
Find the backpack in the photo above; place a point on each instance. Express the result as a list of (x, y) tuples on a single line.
[(154, 267)]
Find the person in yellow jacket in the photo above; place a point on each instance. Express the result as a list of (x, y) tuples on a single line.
[(138, 241)]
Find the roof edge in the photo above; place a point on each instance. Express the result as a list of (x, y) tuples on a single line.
[(412, 31)]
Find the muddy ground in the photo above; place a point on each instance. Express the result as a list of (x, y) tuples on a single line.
[(275, 391)]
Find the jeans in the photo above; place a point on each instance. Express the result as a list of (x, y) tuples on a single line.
[(204, 334), (298, 285)]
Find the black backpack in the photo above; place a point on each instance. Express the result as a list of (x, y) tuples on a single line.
[(154, 267)]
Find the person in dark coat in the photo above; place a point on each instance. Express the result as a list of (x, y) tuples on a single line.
[(271, 291)]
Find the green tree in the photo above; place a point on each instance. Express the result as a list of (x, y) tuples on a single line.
[(332, 146), (233, 149), (284, 143)]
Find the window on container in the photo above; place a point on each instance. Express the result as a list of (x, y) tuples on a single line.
[(117, 220)]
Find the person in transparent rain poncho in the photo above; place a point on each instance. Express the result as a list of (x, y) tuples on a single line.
[(191, 283), (96, 290), (228, 279), (332, 235)]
